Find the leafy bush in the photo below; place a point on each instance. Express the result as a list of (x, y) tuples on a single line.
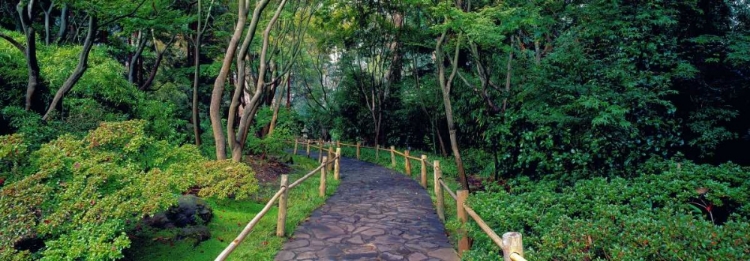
[(84, 194), (273, 143), (692, 212)]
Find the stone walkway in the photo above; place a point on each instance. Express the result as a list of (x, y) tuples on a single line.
[(376, 214)]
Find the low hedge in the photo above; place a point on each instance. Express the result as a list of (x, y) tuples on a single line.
[(672, 211)]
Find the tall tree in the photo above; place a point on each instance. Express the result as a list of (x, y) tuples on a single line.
[(446, 84)]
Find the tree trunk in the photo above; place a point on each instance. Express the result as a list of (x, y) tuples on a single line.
[(218, 90), (289, 93), (276, 106), (32, 64), (159, 58), (196, 78), (47, 12), (445, 85), (141, 44), (454, 141), (26, 15), (63, 25), (154, 70), (252, 107), (80, 69)]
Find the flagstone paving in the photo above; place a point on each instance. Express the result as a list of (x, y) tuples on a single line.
[(376, 214)]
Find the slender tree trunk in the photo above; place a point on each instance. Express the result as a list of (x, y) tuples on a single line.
[(249, 112), (154, 70), (47, 12), (159, 58), (80, 69), (446, 84), (289, 93), (196, 78), (63, 25), (141, 44), (218, 90), (26, 15), (276, 106), (32, 64), (509, 73)]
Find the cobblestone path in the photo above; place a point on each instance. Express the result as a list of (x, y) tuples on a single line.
[(376, 214)]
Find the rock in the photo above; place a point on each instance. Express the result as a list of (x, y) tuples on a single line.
[(198, 233), (190, 210)]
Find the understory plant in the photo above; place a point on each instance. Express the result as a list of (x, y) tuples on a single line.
[(79, 196), (672, 211)]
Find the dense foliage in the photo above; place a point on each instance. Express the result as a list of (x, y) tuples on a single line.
[(77, 197), (570, 117), (673, 211)]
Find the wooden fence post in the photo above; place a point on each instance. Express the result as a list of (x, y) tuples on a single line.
[(337, 164), (463, 243), (295, 147), (393, 156), (322, 188), (330, 156), (338, 144), (407, 163), (512, 245), (423, 171), (320, 151), (438, 190), (281, 221), (308, 148), (377, 153), (358, 150)]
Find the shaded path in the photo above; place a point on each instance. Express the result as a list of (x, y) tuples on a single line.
[(376, 214)]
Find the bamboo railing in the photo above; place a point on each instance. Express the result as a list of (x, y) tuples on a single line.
[(510, 243), (282, 196)]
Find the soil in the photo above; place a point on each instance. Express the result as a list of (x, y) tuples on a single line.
[(267, 170)]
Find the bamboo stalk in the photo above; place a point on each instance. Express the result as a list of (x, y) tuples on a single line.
[(483, 225), (281, 220), (320, 151), (440, 208), (303, 178), (463, 243), (249, 227), (447, 189), (358, 149), (423, 171), (308, 148), (513, 247), (330, 156), (407, 163), (295, 147), (322, 188), (337, 164)]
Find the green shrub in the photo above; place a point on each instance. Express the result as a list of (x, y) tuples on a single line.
[(660, 215), (83, 195)]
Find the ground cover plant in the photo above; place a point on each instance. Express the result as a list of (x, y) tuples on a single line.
[(230, 217), (674, 210), (78, 197)]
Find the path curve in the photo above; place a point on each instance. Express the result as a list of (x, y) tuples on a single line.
[(375, 214)]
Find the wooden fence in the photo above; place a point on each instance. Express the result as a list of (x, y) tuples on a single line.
[(511, 243), (282, 196)]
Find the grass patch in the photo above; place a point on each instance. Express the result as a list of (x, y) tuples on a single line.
[(231, 216)]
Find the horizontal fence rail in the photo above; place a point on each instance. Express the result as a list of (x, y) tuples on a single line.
[(282, 196), (511, 243)]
